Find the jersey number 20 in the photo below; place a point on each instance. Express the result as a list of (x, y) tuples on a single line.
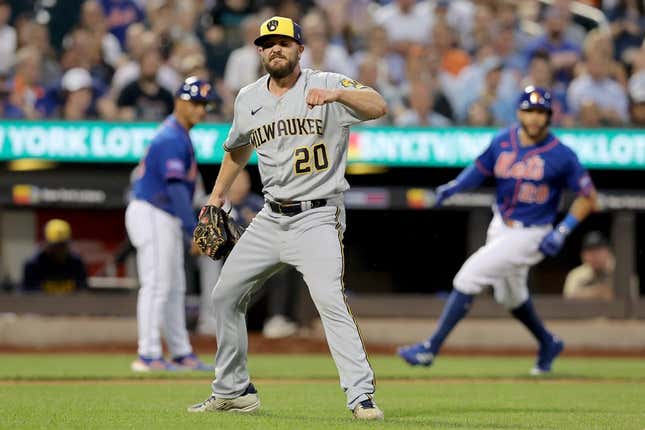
[(308, 159)]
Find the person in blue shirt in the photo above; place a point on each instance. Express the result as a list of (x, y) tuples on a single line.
[(160, 222), (531, 168)]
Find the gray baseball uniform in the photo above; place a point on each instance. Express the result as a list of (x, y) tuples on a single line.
[(302, 155)]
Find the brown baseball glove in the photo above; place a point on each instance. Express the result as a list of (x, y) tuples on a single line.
[(216, 233)]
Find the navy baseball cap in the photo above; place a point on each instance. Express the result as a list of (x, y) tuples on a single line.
[(194, 89), (279, 26), (535, 98), (594, 239)]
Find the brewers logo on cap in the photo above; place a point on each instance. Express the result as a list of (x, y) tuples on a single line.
[(279, 26)]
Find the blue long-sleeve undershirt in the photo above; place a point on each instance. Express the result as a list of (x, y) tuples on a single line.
[(182, 206)]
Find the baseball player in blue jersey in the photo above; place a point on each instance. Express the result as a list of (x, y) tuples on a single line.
[(531, 167), (159, 221)]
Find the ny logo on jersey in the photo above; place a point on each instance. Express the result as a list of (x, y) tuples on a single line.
[(531, 168)]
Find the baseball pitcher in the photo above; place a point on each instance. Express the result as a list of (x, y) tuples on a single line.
[(531, 167), (297, 120)]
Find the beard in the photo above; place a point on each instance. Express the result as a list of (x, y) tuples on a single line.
[(282, 70), (540, 130)]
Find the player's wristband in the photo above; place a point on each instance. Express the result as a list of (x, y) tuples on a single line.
[(567, 225)]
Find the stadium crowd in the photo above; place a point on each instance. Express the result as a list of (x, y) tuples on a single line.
[(438, 63)]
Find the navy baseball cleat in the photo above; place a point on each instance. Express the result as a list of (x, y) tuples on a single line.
[(546, 355), (418, 354), (191, 362)]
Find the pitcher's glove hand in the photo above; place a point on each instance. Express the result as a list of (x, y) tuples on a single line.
[(216, 232)]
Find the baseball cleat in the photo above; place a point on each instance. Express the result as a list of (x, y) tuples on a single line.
[(418, 354), (191, 362), (546, 355), (279, 326), (144, 364), (247, 402), (367, 410)]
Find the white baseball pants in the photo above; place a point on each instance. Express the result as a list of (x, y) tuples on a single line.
[(503, 262), (157, 237)]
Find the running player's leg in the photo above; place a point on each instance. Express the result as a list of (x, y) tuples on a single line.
[(253, 259), (515, 297), (317, 252), (488, 266)]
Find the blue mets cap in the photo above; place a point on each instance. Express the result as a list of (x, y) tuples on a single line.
[(196, 90), (535, 98), (279, 26)]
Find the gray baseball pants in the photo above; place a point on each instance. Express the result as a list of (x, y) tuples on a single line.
[(312, 243)]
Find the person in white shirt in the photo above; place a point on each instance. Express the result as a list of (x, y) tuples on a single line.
[(243, 65), (7, 38), (597, 88), (406, 22), (320, 54)]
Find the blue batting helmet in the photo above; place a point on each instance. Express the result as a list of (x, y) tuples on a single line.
[(195, 90), (535, 98)]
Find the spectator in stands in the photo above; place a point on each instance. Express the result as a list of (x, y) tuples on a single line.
[(541, 75), (26, 92), (492, 84), (36, 35), (120, 14), (320, 55), (93, 20), (565, 54), (406, 22), (594, 279), (445, 45), (637, 98), (348, 21), (507, 51), (479, 114), (457, 14), (420, 111), (83, 49), (144, 99), (140, 41), (368, 75), (484, 23), (595, 87), (508, 17), (221, 31), (55, 269), (243, 65), (627, 23), (8, 38), (599, 41), (82, 99), (4, 92), (391, 67), (573, 32)]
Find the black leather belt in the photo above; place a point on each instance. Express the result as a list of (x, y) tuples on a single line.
[(294, 208)]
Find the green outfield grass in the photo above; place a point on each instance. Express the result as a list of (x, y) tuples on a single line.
[(302, 392)]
